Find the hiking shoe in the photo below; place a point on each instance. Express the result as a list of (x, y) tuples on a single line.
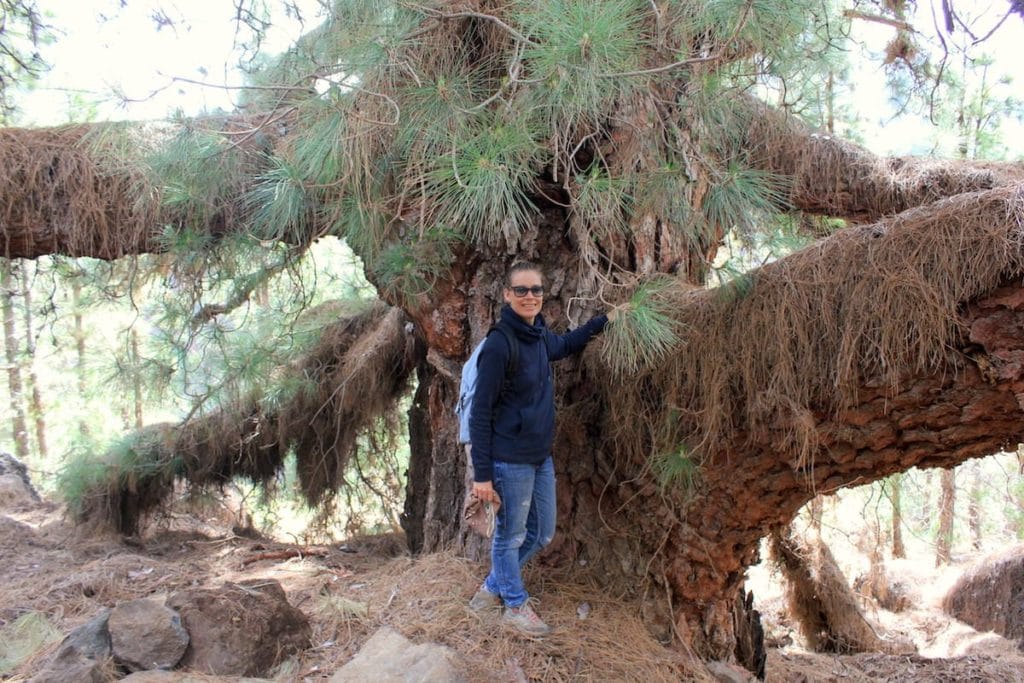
[(525, 620), (483, 600)]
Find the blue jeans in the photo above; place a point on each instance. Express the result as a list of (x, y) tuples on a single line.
[(525, 523)]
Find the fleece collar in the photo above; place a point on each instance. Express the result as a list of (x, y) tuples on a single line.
[(526, 333)]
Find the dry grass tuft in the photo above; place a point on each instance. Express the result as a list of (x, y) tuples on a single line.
[(52, 177)]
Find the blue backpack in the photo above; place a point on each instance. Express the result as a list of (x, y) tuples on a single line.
[(467, 387)]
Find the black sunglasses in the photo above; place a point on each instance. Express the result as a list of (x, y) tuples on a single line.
[(536, 290)]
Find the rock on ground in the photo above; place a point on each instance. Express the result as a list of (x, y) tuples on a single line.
[(91, 639), (389, 657), (146, 635), (16, 490), (81, 656), (69, 666), (242, 629), (990, 595), (725, 672)]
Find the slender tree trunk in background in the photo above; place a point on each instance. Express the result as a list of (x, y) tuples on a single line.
[(974, 505), (947, 498), (262, 294), (817, 508), (126, 417), (894, 485), (830, 104), (136, 380), (18, 426), (36, 397), (926, 512), (1018, 519), (76, 304), (963, 144), (1014, 498)]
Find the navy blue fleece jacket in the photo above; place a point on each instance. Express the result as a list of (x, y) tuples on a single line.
[(517, 423)]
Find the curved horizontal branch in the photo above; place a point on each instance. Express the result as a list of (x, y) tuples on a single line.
[(350, 382), (833, 177), (884, 347), (82, 190)]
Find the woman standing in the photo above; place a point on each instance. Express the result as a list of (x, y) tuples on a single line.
[(512, 427)]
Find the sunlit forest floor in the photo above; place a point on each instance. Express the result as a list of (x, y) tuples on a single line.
[(349, 589)]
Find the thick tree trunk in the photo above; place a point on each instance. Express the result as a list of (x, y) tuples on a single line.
[(647, 543), (895, 485), (19, 429), (947, 500)]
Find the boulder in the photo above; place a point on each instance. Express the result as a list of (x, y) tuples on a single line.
[(91, 639), (389, 657), (990, 595), (16, 490), (70, 666), (242, 629), (146, 635), (81, 655)]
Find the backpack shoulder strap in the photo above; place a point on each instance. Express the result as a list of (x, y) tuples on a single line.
[(513, 347)]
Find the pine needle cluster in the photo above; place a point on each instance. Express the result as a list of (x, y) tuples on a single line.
[(646, 331)]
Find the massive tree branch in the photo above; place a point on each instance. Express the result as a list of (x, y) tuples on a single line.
[(834, 177), (87, 190), (884, 347)]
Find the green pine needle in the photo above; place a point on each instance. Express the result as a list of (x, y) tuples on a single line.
[(603, 202), (676, 469), (579, 45), (281, 208), (645, 333), (199, 173), (742, 198), (483, 182), (406, 271), (318, 152)]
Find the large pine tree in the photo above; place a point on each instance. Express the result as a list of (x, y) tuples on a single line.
[(616, 143)]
